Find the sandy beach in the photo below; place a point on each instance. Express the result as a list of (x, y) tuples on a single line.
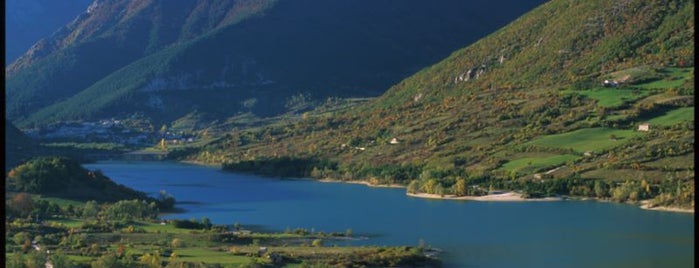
[(506, 196), (645, 204)]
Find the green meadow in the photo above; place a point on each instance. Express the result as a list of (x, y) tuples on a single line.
[(534, 163), (684, 114), (612, 97), (674, 77), (587, 139)]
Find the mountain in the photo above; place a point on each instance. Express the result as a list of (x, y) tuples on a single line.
[(18, 147), (27, 21), (525, 108), (166, 60)]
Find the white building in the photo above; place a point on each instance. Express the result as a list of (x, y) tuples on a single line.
[(644, 127)]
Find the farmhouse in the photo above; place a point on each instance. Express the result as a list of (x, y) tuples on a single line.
[(644, 127), (610, 83)]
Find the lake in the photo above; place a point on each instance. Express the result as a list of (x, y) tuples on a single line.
[(471, 233)]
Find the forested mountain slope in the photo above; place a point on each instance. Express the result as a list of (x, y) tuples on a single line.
[(224, 57), (525, 108)]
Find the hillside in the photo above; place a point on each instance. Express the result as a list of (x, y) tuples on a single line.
[(223, 58), (27, 21), (18, 147), (63, 177), (524, 108)]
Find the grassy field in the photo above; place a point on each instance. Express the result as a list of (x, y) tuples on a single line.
[(534, 163), (673, 117), (675, 77), (612, 97), (588, 139), (70, 223), (208, 255), (80, 259), (616, 97)]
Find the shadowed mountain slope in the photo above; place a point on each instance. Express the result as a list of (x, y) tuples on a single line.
[(225, 57)]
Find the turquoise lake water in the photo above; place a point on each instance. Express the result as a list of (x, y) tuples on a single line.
[(471, 233)]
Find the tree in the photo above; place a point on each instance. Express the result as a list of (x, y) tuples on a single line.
[(646, 187), (120, 250), (20, 238), (173, 257), (166, 200), (438, 189), (176, 243), (58, 259), (130, 209), (206, 222), (16, 261), (429, 186), (150, 260), (316, 173), (70, 210), (35, 259), (460, 188), (91, 209), (94, 249), (414, 187), (107, 261), (22, 204), (601, 189)]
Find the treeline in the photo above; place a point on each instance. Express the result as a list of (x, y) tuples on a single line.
[(670, 191), (379, 257), (24, 206), (325, 168), (205, 223), (64, 177), (281, 166)]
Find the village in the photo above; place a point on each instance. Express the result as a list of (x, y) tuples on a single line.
[(107, 131)]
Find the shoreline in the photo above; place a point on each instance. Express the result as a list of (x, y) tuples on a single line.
[(645, 204), (502, 197), (199, 163), (508, 196), (365, 183)]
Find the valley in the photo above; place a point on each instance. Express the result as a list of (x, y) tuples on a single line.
[(262, 117)]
